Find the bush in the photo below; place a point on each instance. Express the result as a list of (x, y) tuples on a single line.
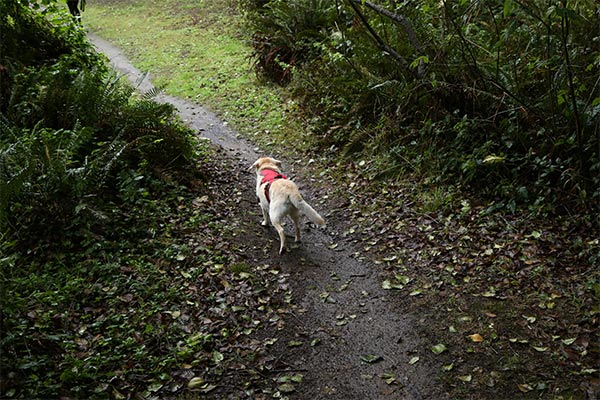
[(69, 131), (288, 33), (475, 93)]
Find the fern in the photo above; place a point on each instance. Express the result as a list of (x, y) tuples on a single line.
[(69, 132), (11, 176)]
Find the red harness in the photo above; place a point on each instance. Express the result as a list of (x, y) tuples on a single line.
[(269, 176)]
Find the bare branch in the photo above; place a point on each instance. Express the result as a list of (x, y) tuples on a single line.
[(401, 19), (378, 40)]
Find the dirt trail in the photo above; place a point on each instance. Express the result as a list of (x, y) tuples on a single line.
[(345, 336)]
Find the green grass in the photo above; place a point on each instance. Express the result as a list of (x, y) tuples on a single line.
[(199, 52)]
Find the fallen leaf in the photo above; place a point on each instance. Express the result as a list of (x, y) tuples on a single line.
[(387, 285), (448, 367), (403, 279), (326, 298), (217, 357), (588, 371), (536, 234), (286, 388), (530, 319), (516, 340), (465, 378), (344, 286), (195, 382), (413, 360), (118, 395), (207, 388), (523, 387), (371, 358), (476, 337), (388, 378), (439, 348)]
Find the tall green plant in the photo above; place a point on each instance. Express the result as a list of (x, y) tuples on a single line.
[(287, 33)]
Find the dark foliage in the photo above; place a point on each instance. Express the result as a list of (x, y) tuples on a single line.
[(288, 33), (88, 173), (502, 97), (70, 130)]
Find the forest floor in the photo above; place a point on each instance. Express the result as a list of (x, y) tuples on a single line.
[(387, 302)]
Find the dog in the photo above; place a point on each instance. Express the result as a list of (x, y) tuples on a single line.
[(279, 197)]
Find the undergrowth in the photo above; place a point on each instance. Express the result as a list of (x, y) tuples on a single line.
[(501, 98), (100, 280)]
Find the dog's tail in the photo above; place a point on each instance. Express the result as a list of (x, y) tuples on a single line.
[(306, 209)]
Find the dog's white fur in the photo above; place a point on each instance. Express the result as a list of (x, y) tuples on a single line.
[(285, 200)]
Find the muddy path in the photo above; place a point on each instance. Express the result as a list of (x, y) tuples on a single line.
[(346, 335)]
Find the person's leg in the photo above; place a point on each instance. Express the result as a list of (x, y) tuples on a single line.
[(74, 10)]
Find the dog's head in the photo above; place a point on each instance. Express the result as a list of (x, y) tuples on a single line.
[(266, 162)]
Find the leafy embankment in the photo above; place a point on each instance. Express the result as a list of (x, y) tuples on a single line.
[(509, 303), (116, 278)]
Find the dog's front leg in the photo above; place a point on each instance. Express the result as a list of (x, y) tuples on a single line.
[(265, 213)]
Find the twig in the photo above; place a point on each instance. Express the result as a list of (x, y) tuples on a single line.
[(378, 40)]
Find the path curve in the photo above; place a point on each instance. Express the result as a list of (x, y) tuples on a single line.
[(352, 337)]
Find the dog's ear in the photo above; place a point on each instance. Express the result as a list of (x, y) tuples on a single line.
[(276, 162), (254, 166)]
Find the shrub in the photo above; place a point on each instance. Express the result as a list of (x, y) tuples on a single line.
[(476, 93), (288, 33), (69, 130)]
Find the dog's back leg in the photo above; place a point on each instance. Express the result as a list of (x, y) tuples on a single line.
[(276, 220), (295, 216), (281, 233)]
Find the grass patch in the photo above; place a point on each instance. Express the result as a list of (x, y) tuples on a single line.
[(196, 51)]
